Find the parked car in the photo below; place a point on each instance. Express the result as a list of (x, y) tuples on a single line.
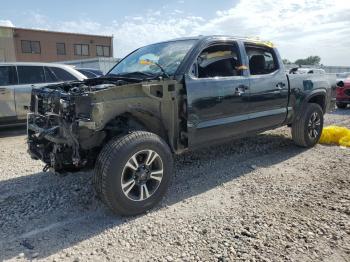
[(17, 81), (342, 76), (306, 70), (343, 93), (168, 98), (89, 72)]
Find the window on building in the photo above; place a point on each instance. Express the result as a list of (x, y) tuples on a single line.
[(81, 50), (103, 50), (31, 74), (62, 75), (31, 47), (61, 48)]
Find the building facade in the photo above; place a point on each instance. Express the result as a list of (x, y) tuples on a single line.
[(31, 45)]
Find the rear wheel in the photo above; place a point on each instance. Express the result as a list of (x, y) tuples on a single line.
[(341, 105), (306, 131), (133, 172)]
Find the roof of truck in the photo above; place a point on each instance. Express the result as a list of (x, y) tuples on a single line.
[(255, 40)]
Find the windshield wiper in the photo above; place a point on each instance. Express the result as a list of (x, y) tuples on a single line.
[(113, 77), (162, 69), (136, 73), (147, 75)]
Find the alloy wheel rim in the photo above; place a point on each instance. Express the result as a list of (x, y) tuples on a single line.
[(314, 125), (142, 175)]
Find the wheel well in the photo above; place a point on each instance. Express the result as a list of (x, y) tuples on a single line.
[(320, 100), (136, 121)]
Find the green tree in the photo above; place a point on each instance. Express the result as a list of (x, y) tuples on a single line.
[(311, 60)]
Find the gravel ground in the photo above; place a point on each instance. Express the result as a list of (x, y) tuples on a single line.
[(254, 199)]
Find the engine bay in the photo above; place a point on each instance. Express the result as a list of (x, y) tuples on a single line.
[(53, 122)]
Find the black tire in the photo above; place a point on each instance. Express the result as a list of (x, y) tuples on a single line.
[(301, 130), (341, 105), (111, 165), (100, 162)]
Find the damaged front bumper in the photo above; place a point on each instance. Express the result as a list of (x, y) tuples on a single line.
[(58, 129), (57, 146)]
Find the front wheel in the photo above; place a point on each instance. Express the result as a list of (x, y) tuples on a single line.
[(134, 172), (306, 131)]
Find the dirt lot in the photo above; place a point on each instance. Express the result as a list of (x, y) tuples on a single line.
[(256, 199)]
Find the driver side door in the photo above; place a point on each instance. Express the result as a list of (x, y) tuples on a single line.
[(217, 92)]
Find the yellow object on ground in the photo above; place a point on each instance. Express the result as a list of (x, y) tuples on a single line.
[(335, 135)]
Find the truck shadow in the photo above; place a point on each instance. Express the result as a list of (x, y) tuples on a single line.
[(13, 131), (342, 112), (46, 214)]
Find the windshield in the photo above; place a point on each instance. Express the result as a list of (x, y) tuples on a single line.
[(162, 58)]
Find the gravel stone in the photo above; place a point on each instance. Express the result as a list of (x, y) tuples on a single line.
[(253, 199)]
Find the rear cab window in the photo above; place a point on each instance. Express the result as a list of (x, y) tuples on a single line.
[(262, 60), (8, 76), (31, 74)]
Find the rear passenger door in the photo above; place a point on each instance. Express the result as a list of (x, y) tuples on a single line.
[(28, 77), (268, 98), (8, 80), (36, 77)]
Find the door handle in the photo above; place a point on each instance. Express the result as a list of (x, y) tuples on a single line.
[(280, 85), (2, 91), (240, 90)]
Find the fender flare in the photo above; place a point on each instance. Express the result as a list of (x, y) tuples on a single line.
[(306, 99)]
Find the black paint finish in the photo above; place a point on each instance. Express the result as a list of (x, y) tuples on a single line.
[(224, 107)]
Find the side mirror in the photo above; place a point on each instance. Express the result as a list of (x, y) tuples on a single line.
[(340, 84)]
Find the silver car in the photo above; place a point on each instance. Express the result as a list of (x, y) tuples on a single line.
[(17, 81)]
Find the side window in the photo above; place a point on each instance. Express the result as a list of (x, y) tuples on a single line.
[(31, 74), (62, 75), (262, 60), (49, 75), (87, 74), (218, 61), (8, 75)]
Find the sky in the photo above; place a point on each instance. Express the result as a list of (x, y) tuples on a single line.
[(299, 28)]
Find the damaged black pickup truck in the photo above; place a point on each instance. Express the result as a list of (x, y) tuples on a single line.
[(164, 99)]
